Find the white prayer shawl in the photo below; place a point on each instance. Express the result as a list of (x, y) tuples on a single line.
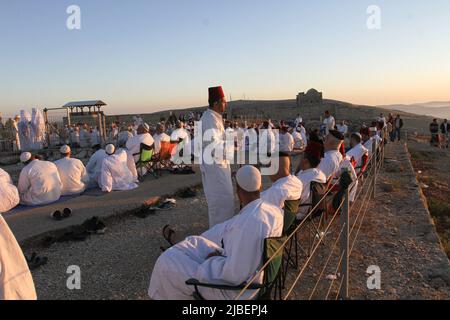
[(330, 163), (284, 189), (242, 238), (37, 129), (134, 144), (306, 177), (115, 174), (16, 282), (357, 152), (94, 166), (298, 140), (158, 138), (74, 176), (286, 142), (329, 123), (216, 177), (95, 137), (39, 183), (85, 138), (9, 195), (25, 131)]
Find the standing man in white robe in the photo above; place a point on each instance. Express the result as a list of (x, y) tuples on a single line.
[(299, 144), (229, 253), (329, 122), (285, 187), (216, 175), (115, 174), (16, 282), (286, 140), (15, 129), (25, 131), (73, 174), (37, 129), (39, 181), (9, 195), (333, 158)]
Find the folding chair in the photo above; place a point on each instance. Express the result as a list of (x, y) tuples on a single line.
[(163, 159), (271, 274), (145, 161)]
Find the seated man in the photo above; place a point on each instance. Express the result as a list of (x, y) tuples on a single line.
[(115, 174), (94, 166), (358, 152), (286, 140), (143, 137), (72, 172), (230, 253), (159, 137), (285, 187), (39, 181), (347, 164), (182, 137), (333, 158), (308, 172), (9, 196), (16, 282), (130, 160)]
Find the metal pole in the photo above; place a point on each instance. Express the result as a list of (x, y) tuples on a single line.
[(345, 214), (374, 164)]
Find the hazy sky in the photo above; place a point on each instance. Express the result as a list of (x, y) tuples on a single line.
[(143, 55)]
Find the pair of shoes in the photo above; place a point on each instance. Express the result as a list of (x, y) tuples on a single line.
[(58, 215), (35, 261), (164, 206)]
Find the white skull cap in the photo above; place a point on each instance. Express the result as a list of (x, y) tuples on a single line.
[(110, 149), (65, 149), (25, 156), (249, 178)]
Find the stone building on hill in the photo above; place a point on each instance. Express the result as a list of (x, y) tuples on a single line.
[(309, 98)]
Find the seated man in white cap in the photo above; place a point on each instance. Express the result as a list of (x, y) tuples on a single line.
[(9, 196), (39, 181), (285, 187), (329, 165), (73, 174), (115, 175), (16, 282), (230, 253), (94, 166), (143, 137)]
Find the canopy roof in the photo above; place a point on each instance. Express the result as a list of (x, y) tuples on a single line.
[(92, 103)]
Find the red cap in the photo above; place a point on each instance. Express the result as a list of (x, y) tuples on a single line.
[(314, 149), (215, 94)]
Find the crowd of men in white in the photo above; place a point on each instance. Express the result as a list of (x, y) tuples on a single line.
[(230, 252)]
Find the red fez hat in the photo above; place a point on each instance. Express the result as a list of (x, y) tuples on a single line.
[(314, 149), (215, 94)]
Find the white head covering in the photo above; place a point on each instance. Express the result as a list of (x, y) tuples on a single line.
[(249, 178), (110, 149), (146, 126), (25, 156), (64, 149)]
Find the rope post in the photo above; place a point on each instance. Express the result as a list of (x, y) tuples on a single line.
[(374, 165), (345, 214)]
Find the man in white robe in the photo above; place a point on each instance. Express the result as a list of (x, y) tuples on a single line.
[(160, 136), (299, 144), (16, 282), (39, 181), (15, 129), (124, 135), (286, 140), (25, 131), (94, 166), (9, 195), (216, 175), (333, 158), (73, 174), (115, 175), (143, 136), (37, 129), (358, 152), (229, 253), (285, 187), (329, 122)]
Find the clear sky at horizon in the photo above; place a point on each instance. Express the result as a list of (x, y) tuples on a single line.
[(147, 55)]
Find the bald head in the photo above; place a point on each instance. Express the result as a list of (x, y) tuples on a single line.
[(284, 167), (332, 143)]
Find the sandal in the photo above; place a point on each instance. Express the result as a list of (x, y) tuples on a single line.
[(168, 234)]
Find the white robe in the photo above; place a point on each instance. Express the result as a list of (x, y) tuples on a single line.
[(347, 164), (115, 175), (130, 163), (25, 131), (330, 163), (242, 238), (216, 177), (39, 183), (306, 177), (286, 142), (94, 166), (357, 152), (158, 138), (298, 140), (134, 144), (329, 123), (16, 135), (37, 129), (284, 189), (9, 195), (74, 176), (16, 282)]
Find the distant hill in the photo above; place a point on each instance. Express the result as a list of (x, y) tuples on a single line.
[(438, 109)]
